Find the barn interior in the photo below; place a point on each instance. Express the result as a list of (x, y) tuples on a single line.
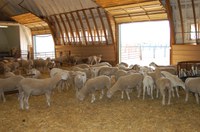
[(90, 28)]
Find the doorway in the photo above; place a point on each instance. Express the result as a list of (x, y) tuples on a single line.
[(145, 42), (44, 46)]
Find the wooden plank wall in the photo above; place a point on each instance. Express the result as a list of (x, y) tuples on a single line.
[(107, 51), (183, 52)]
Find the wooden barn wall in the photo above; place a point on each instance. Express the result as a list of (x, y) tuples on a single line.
[(107, 51), (185, 52)]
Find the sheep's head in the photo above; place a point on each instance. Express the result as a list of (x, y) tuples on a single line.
[(109, 94), (64, 75), (80, 96)]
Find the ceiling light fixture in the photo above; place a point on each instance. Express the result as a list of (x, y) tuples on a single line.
[(1, 26)]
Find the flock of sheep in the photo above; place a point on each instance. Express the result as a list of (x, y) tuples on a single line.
[(86, 79)]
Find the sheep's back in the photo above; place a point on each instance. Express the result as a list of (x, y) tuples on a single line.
[(193, 84)]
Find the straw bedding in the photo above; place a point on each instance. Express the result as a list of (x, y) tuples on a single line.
[(66, 113)]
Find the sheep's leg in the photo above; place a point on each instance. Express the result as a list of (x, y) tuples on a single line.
[(48, 98), (122, 95), (197, 97), (144, 88), (186, 96), (157, 91), (26, 102), (93, 98), (102, 94), (176, 88), (21, 100), (3, 97), (151, 92), (139, 91), (173, 95), (127, 94), (163, 96), (169, 98)]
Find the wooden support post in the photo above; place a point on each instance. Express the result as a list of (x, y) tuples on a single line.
[(60, 29), (195, 21), (70, 26), (75, 24)]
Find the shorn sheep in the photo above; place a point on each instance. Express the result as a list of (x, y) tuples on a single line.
[(32, 86), (175, 81), (9, 84), (148, 84), (126, 83), (92, 85), (163, 84), (172, 69), (193, 85)]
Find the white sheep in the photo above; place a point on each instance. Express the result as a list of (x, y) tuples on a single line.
[(148, 84), (79, 80), (109, 71), (126, 83), (34, 73), (193, 85), (172, 69), (9, 84), (92, 85), (175, 81), (62, 83), (163, 84), (32, 86), (9, 74)]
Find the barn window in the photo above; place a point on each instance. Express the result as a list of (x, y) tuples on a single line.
[(43, 46), (193, 32), (145, 42)]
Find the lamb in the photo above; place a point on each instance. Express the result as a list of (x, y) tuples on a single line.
[(94, 59), (125, 83), (163, 84), (193, 85), (9, 84), (32, 86), (175, 81), (119, 73), (82, 66), (92, 85), (171, 69), (148, 84)]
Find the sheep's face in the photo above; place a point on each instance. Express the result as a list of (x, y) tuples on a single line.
[(109, 94), (80, 96), (65, 76)]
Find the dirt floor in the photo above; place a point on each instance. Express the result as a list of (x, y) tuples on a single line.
[(66, 113)]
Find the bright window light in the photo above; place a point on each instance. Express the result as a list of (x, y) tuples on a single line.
[(44, 46), (145, 42)]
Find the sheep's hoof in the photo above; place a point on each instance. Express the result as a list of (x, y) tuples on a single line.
[(27, 107)]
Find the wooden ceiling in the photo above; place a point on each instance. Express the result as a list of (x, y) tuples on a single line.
[(134, 10), (37, 25)]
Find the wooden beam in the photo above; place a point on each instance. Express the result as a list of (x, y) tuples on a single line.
[(60, 28), (171, 24), (75, 24), (95, 24), (88, 24), (109, 24), (70, 27), (195, 22), (51, 29), (82, 26), (181, 17), (100, 16), (65, 27)]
